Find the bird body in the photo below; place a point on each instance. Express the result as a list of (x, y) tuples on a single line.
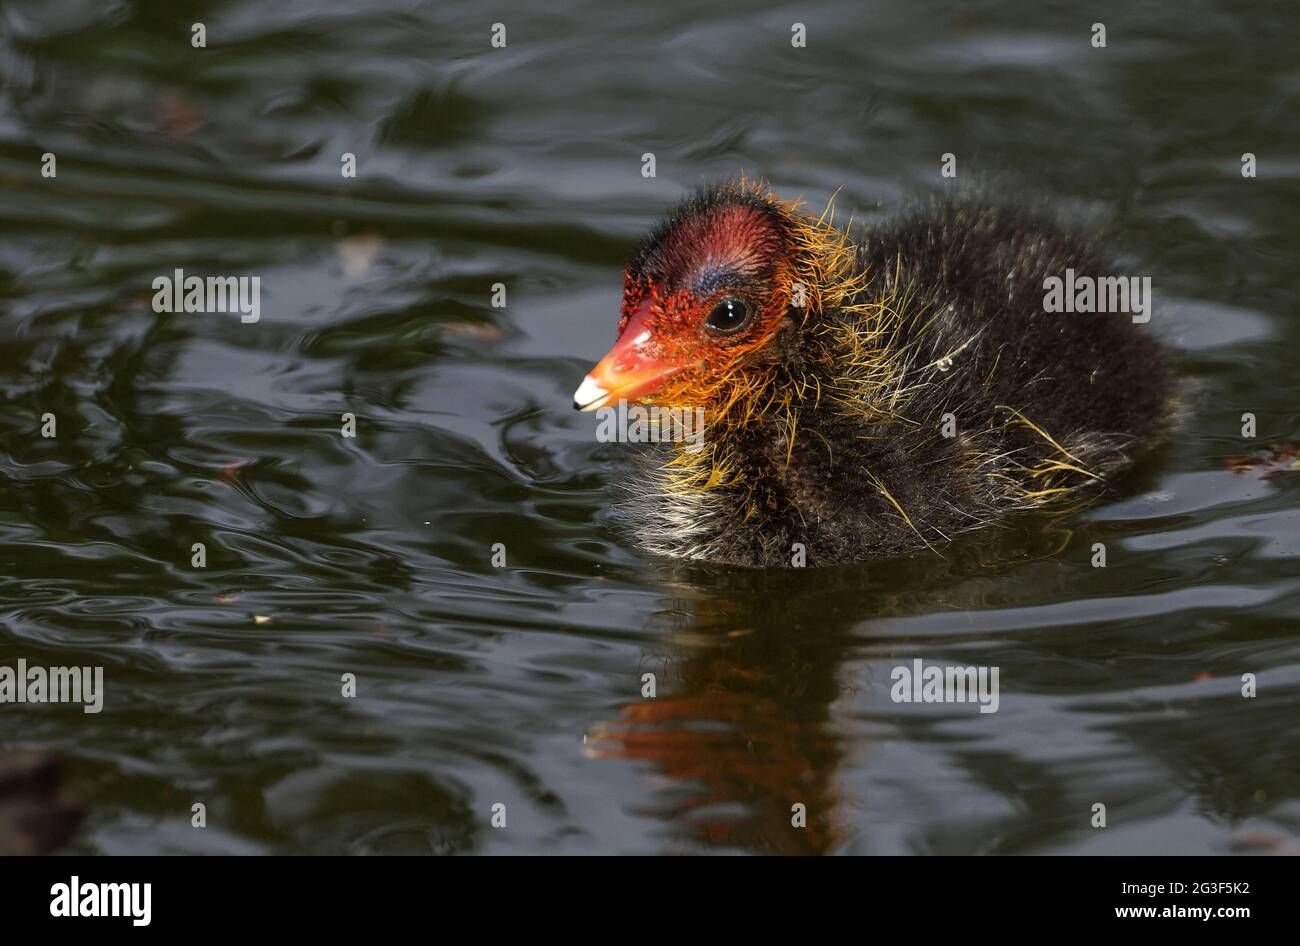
[(871, 397)]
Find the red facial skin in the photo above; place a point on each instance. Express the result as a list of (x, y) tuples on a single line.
[(665, 351)]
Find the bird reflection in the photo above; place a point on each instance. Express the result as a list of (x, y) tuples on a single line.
[(741, 724), (752, 691)]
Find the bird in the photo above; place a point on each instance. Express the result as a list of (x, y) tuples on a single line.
[(873, 391)]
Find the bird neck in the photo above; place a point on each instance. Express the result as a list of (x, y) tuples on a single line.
[(839, 370)]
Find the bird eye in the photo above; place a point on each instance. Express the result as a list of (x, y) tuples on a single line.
[(729, 315)]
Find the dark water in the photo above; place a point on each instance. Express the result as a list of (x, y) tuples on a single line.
[(522, 685)]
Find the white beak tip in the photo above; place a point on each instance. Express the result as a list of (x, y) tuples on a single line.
[(588, 395)]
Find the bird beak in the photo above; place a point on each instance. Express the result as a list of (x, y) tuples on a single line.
[(628, 371)]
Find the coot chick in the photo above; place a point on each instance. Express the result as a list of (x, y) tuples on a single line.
[(871, 396)]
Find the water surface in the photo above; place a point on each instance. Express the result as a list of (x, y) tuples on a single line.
[(522, 685)]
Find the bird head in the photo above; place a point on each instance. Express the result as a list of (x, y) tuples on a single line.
[(714, 298)]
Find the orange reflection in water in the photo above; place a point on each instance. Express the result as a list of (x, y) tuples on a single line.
[(742, 730)]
